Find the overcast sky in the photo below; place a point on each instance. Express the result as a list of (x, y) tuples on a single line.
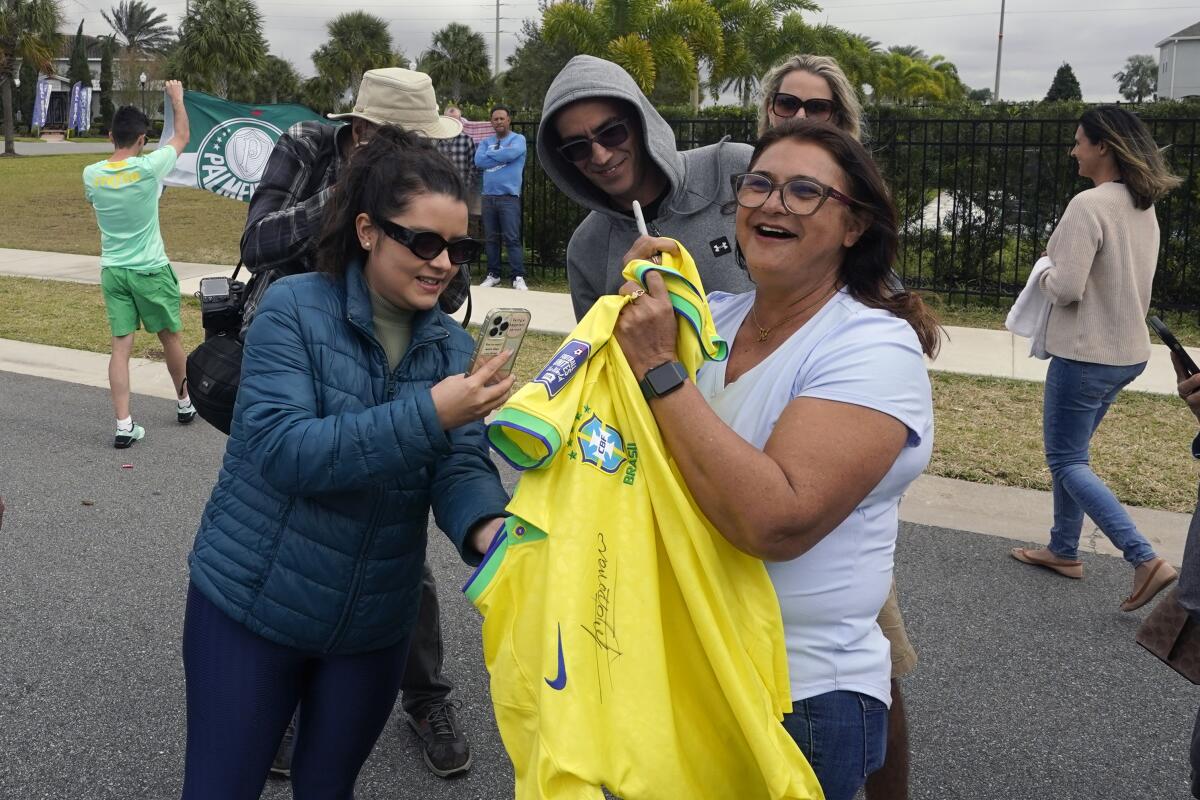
[(1094, 36)]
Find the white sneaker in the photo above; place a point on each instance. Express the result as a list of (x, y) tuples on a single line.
[(519, 285), (489, 281)]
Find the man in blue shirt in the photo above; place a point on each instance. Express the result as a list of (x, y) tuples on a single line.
[(501, 158)]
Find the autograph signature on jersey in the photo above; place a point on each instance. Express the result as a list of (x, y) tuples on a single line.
[(604, 621)]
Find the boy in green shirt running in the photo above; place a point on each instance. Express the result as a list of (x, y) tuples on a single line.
[(139, 286)]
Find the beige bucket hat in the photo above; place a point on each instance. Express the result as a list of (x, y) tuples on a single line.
[(404, 97)]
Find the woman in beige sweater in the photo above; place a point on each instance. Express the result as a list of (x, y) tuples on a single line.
[(1104, 251)]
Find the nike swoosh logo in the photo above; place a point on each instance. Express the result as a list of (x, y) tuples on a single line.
[(559, 683)]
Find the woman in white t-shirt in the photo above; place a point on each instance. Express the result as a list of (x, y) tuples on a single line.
[(799, 446)]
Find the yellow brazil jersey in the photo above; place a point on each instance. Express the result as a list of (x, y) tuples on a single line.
[(629, 644)]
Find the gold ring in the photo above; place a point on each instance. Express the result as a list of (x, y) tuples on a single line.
[(636, 294)]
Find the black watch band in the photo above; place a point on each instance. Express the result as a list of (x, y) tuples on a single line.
[(663, 379)]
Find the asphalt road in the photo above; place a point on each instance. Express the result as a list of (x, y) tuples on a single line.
[(1029, 686)]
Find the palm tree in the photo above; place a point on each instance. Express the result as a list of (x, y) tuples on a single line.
[(29, 32), (903, 79), (358, 41), (952, 87), (456, 61), (139, 26), (217, 40), (751, 31), (910, 50), (276, 81), (645, 37)]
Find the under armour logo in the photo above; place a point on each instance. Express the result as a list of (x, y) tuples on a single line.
[(720, 247)]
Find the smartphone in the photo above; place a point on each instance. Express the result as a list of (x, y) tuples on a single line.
[(502, 329), (1173, 344)]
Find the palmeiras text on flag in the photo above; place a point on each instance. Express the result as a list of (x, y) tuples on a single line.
[(230, 142)]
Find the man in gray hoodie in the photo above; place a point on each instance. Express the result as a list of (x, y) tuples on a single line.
[(604, 145)]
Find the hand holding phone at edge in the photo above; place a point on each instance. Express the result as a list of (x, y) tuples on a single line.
[(460, 399), (1189, 388)]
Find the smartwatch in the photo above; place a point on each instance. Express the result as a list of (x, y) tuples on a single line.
[(663, 379)]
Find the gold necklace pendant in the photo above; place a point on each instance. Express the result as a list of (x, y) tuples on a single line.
[(763, 333)]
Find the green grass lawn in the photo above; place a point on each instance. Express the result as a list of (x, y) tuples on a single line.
[(988, 429), (43, 208)]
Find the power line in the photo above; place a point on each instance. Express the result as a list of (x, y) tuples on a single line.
[(1011, 13)]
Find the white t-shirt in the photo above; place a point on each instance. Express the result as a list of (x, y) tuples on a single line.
[(831, 595)]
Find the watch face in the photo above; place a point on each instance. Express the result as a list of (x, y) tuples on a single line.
[(666, 377)]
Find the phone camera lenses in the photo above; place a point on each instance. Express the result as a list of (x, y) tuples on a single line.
[(497, 320), (493, 331), (503, 326)]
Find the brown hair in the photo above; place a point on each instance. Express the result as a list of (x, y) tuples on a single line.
[(1138, 158), (866, 270), (382, 178)]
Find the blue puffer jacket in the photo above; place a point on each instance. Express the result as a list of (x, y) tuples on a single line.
[(314, 536)]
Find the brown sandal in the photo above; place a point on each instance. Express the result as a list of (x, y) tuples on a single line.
[(1038, 558), (1155, 582)]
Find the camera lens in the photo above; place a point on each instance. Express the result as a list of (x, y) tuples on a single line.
[(497, 320), (503, 326), (493, 331)]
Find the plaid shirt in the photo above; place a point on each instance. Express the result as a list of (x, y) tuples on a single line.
[(461, 152), (287, 209)]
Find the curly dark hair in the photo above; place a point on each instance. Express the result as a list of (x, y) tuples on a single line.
[(868, 268), (381, 179)]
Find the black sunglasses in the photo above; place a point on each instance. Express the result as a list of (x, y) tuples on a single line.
[(428, 245), (802, 196), (788, 105), (611, 135)]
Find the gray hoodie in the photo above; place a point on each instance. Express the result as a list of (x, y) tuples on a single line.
[(691, 213)]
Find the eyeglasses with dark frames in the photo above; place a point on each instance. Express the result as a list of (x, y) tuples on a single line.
[(788, 105), (580, 149), (800, 196), (428, 245)]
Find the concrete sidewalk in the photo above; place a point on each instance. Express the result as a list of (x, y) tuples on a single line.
[(971, 351), (1020, 514)]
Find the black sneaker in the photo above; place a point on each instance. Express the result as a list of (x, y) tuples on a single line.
[(124, 438), (445, 746), (282, 765), (185, 414)]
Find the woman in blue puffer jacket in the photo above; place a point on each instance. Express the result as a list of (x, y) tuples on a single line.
[(353, 419)]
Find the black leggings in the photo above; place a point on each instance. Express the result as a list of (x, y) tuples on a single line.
[(241, 691)]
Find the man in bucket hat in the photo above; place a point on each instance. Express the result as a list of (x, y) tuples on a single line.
[(282, 225)]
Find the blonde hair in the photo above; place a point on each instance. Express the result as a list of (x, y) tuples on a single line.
[(1140, 162), (847, 112)]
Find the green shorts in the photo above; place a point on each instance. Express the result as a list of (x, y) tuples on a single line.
[(136, 299)]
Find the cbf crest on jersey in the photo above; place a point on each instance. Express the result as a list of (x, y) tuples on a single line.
[(601, 445)]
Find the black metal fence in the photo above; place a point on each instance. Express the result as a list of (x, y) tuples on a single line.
[(978, 199)]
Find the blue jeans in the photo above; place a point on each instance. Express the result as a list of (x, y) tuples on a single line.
[(1077, 397), (844, 737), (241, 691), (502, 220)]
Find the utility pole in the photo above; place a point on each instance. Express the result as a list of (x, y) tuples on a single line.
[(999, 48), (496, 45)]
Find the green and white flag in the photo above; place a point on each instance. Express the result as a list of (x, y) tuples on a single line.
[(230, 142)]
